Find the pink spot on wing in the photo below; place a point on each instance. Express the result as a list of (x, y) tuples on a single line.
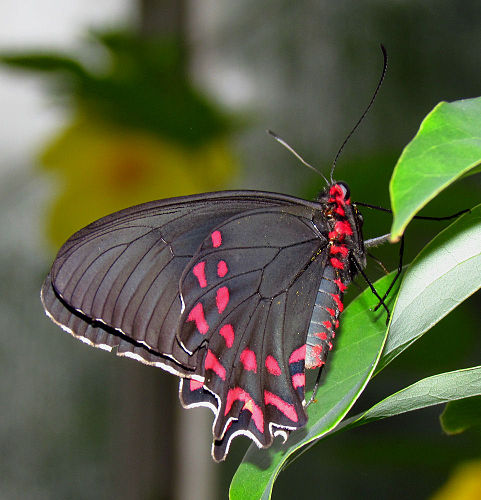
[(238, 394), (327, 324), (298, 380), (212, 363), (283, 406), (248, 359), (195, 385), (216, 239), (222, 299), (298, 355), (228, 333), (272, 366), (321, 335), (338, 302), (199, 272), (222, 269), (330, 346), (197, 314)]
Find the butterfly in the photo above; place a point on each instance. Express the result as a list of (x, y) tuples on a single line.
[(235, 292)]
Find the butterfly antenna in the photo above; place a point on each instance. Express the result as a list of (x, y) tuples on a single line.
[(383, 74), (280, 140)]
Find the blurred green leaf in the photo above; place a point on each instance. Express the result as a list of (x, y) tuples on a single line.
[(459, 416), (446, 272), (142, 85), (447, 145), (353, 361)]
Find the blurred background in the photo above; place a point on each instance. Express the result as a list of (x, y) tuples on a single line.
[(108, 104)]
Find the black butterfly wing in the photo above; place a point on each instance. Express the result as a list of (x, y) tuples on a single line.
[(115, 283), (248, 296)]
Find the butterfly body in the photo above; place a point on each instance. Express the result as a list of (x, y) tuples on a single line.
[(236, 292)]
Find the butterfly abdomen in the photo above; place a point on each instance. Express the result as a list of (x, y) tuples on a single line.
[(344, 228)]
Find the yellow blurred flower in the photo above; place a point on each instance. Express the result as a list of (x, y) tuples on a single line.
[(464, 483), (103, 168)]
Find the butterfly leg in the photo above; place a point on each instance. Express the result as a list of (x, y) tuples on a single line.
[(312, 399)]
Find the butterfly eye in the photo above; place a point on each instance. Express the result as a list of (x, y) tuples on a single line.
[(345, 190)]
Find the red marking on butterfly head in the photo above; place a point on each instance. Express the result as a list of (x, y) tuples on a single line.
[(298, 355), (222, 269), (195, 385), (199, 272), (272, 366), (212, 363), (283, 406), (228, 333), (222, 299), (216, 239), (197, 314), (248, 359)]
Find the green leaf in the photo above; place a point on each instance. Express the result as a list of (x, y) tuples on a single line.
[(354, 359), (446, 272), (447, 145), (435, 390), (459, 416)]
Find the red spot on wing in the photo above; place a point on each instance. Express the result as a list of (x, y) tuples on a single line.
[(216, 239), (298, 380), (199, 272), (336, 263), (272, 365), (298, 355), (238, 394), (222, 269), (330, 346), (212, 363), (340, 211), (222, 299), (327, 324), (330, 311), (321, 335), (342, 287), (228, 333), (197, 314), (283, 406), (195, 385), (248, 359), (338, 302)]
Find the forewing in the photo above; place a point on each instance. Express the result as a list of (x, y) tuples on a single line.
[(248, 296), (115, 283)]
